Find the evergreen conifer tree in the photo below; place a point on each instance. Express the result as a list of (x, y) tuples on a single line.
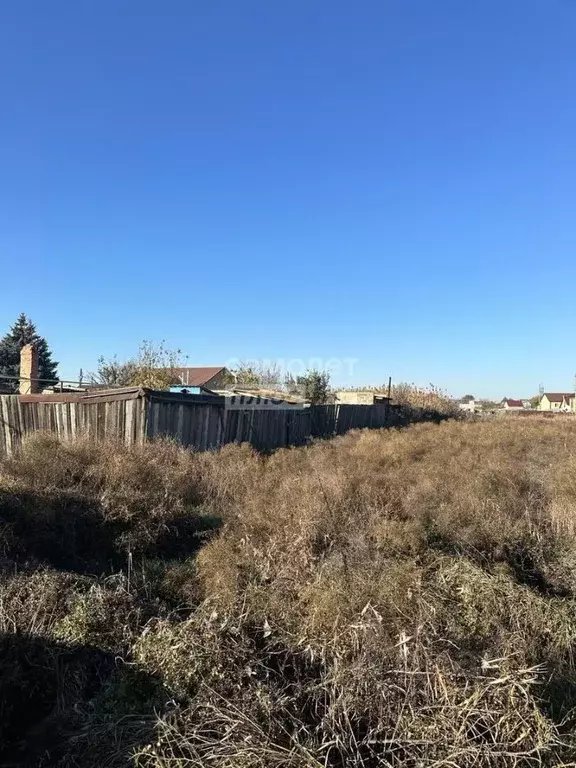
[(21, 333)]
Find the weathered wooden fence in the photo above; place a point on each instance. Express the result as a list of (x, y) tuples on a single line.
[(199, 422)]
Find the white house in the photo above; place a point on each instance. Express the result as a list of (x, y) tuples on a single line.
[(508, 404)]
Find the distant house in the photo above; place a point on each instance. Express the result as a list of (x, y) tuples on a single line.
[(557, 401), (195, 379), (508, 404), (360, 397)]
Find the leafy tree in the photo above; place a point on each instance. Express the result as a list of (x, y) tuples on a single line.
[(154, 367), (245, 375), (112, 372), (314, 386), (291, 384), (535, 401), (21, 333), (254, 375)]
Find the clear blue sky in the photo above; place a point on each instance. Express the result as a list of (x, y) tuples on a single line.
[(387, 180)]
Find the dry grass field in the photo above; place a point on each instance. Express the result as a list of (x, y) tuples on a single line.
[(399, 598)]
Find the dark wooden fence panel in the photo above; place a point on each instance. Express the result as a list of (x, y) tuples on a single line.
[(140, 415), (379, 416), (323, 420), (299, 427), (271, 429), (238, 426), (195, 425), (346, 418)]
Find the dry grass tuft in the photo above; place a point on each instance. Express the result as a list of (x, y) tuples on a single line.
[(402, 598)]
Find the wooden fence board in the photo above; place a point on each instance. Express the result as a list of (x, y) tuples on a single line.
[(192, 422)]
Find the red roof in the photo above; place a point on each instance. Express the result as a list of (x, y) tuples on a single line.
[(558, 397), (197, 377), (514, 403)]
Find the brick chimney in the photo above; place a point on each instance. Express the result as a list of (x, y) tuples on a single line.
[(29, 370)]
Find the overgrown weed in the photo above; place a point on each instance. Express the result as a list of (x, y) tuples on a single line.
[(389, 598)]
